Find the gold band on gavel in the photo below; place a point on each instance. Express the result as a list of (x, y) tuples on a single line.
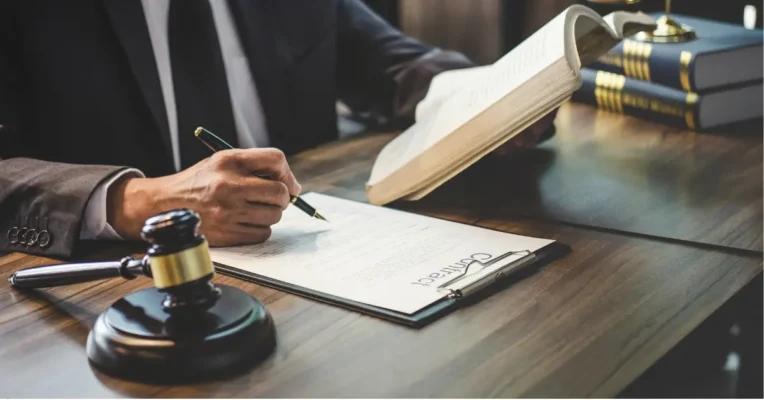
[(182, 267)]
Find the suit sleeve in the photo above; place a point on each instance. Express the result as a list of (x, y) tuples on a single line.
[(34, 191), (46, 195), (381, 70)]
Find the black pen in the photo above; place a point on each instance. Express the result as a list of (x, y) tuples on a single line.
[(217, 144)]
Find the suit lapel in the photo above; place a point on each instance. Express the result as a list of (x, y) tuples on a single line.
[(129, 24), (270, 58)]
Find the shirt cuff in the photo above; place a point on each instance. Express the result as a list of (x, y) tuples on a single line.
[(94, 223)]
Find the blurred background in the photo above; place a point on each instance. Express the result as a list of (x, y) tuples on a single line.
[(485, 30), (704, 364)]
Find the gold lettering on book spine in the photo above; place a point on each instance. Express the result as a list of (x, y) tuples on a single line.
[(684, 70), (647, 49), (609, 91), (625, 50), (598, 96), (636, 51), (627, 70), (689, 113), (612, 58), (620, 82), (611, 97), (599, 92), (636, 59)]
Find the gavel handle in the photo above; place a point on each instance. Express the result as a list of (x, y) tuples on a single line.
[(68, 274)]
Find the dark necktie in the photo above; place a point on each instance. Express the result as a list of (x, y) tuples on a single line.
[(199, 78)]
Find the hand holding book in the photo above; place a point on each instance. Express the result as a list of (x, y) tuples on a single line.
[(470, 113), (540, 131), (446, 83)]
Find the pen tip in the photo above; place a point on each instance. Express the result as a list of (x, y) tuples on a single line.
[(319, 216), (198, 131)]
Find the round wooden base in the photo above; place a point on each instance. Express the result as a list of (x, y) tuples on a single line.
[(137, 340)]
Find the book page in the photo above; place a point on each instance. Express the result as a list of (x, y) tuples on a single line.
[(472, 158), (400, 151), (594, 40), (626, 24), (444, 85), (518, 67), (369, 254), (594, 43)]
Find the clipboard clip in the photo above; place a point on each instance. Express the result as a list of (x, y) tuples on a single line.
[(475, 267)]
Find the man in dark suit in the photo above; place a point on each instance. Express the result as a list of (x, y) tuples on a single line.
[(99, 100)]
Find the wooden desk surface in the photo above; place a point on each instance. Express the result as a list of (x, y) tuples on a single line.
[(620, 173), (585, 325)]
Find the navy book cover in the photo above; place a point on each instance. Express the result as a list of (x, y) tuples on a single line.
[(675, 64), (641, 99)]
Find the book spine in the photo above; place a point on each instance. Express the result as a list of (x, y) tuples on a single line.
[(620, 94), (665, 65)]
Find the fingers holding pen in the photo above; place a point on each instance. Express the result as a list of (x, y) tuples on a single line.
[(238, 193), (267, 162)]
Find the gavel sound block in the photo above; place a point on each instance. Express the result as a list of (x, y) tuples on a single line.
[(184, 328)]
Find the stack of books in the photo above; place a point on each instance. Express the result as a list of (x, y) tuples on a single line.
[(712, 81)]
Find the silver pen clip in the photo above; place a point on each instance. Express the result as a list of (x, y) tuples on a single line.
[(469, 270)]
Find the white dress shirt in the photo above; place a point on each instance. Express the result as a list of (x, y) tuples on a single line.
[(251, 129)]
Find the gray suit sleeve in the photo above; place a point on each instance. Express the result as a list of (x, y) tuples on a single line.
[(381, 70), (32, 191), (39, 194), (384, 72)]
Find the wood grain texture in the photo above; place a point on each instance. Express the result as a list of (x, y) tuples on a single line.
[(616, 172), (584, 325)]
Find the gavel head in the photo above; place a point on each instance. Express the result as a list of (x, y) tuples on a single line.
[(180, 262), (185, 329)]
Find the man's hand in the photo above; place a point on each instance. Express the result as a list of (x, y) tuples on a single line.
[(235, 204), (529, 137)]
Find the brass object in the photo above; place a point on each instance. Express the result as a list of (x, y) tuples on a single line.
[(684, 70), (178, 268), (668, 29), (185, 329), (608, 91), (689, 114), (610, 96), (636, 59)]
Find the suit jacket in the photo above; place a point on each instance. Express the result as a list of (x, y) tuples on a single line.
[(80, 97)]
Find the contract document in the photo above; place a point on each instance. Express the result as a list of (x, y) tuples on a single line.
[(374, 255)]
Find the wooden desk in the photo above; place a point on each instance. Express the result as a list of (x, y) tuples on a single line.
[(585, 325), (620, 173)]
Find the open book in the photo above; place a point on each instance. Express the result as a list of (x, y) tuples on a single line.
[(470, 112)]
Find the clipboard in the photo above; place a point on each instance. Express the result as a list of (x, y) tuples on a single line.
[(456, 292)]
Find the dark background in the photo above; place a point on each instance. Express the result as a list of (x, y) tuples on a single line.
[(519, 18), (703, 364)]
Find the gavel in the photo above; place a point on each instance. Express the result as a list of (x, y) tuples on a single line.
[(185, 328), (178, 261)]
